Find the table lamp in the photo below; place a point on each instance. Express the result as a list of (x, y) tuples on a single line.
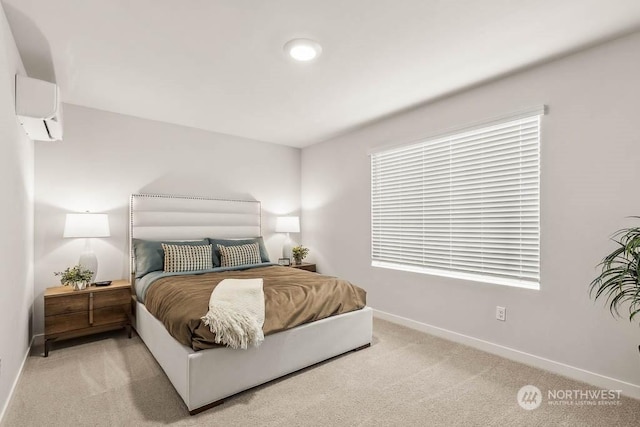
[(287, 224), (88, 226)]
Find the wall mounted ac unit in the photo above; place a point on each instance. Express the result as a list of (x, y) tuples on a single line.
[(39, 109)]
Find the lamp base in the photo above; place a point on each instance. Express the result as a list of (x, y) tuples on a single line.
[(286, 247), (89, 261)]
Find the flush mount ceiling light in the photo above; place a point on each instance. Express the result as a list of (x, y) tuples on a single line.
[(303, 49)]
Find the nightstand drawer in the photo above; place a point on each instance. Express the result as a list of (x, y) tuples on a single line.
[(305, 266), (74, 321), (66, 322), (66, 304), (115, 297), (112, 314)]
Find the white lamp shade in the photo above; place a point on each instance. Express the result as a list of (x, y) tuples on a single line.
[(86, 225), (287, 224)]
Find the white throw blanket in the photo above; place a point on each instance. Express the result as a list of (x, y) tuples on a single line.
[(236, 313)]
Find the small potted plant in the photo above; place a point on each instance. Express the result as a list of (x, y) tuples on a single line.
[(299, 253), (76, 277)]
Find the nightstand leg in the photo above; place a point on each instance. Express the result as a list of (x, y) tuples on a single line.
[(47, 345), (128, 330)]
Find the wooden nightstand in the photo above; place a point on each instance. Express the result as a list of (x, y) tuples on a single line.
[(305, 266), (70, 314)]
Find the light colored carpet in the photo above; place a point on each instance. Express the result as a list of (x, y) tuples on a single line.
[(406, 378)]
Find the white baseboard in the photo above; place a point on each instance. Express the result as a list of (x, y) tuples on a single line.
[(15, 382), (604, 382)]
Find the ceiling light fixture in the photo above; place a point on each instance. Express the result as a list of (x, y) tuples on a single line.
[(303, 49)]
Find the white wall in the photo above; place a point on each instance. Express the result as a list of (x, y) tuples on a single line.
[(16, 221), (105, 157), (590, 173)]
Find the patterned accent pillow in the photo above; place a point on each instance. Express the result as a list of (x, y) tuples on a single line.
[(149, 255), (187, 258), (230, 256), (264, 255)]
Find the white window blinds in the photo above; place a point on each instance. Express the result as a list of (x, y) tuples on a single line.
[(465, 205)]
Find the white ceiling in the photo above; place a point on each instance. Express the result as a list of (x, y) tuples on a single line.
[(219, 65)]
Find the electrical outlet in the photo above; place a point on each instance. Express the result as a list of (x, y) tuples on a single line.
[(501, 313)]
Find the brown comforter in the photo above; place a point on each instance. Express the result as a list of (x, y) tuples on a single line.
[(292, 297)]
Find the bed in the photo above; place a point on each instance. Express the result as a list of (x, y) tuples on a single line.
[(207, 377)]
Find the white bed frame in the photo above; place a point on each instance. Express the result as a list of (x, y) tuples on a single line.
[(205, 378)]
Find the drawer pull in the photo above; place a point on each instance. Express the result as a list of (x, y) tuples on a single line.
[(91, 308)]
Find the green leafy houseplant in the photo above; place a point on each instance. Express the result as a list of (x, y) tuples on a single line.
[(619, 281), (299, 253), (77, 276)]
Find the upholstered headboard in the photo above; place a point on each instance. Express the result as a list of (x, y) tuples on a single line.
[(164, 217)]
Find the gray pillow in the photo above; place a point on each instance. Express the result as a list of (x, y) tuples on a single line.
[(150, 256), (264, 255)]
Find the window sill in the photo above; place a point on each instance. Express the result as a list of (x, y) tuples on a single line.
[(458, 275)]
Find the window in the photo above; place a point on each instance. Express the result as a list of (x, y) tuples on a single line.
[(464, 205)]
